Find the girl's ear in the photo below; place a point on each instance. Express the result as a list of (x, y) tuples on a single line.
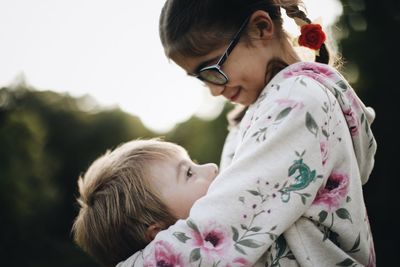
[(262, 26), (153, 230)]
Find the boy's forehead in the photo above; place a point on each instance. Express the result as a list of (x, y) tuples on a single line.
[(180, 151), (174, 150)]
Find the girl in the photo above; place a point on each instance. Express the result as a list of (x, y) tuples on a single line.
[(290, 188)]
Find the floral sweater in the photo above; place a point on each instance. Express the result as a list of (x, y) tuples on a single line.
[(290, 189)]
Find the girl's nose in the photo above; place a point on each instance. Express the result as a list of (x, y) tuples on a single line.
[(216, 90)]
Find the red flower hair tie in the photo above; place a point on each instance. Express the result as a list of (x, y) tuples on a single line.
[(312, 36)]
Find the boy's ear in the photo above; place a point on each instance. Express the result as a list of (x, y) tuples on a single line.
[(153, 230), (262, 25)]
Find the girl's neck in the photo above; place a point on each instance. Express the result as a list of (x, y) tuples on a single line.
[(287, 53), (284, 56)]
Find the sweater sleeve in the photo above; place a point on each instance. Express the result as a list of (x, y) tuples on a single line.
[(274, 176)]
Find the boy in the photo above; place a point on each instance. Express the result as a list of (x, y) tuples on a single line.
[(130, 194)]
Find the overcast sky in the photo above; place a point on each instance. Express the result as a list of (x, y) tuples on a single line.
[(110, 50)]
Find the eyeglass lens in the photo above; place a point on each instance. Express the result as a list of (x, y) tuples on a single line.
[(213, 76)]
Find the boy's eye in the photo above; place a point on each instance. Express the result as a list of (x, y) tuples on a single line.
[(189, 173)]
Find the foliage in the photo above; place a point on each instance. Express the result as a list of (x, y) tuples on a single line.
[(46, 140), (368, 29)]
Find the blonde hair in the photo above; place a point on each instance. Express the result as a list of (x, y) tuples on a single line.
[(117, 201)]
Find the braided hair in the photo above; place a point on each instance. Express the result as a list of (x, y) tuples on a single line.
[(293, 11)]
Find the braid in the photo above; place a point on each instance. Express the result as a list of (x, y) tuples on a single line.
[(294, 12)]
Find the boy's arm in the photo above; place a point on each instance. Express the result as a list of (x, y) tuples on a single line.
[(272, 180)]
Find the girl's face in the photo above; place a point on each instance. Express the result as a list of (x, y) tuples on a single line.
[(246, 65), (245, 68)]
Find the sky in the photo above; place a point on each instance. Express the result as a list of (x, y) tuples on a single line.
[(111, 51)]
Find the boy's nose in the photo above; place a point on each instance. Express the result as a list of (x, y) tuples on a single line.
[(212, 169)]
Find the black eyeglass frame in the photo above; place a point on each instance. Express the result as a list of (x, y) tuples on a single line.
[(217, 67)]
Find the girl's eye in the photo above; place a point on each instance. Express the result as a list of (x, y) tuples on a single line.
[(189, 173)]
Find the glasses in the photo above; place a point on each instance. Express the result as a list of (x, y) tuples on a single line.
[(213, 74)]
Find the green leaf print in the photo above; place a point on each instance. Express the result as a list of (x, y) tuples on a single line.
[(355, 248), (325, 108), (261, 134), (346, 262), (251, 243), (366, 127), (342, 85), (272, 236), (243, 235), (255, 229), (240, 250), (235, 233), (281, 246), (193, 226), (302, 82), (311, 124), (181, 236), (303, 199), (195, 255), (371, 143), (283, 113), (254, 192), (322, 216), (282, 252), (325, 133), (344, 214)]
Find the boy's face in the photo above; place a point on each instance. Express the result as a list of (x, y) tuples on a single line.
[(180, 182)]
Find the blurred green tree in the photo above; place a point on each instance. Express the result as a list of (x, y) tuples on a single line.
[(368, 41), (47, 140)]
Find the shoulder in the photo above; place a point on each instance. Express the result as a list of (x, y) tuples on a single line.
[(300, 89)]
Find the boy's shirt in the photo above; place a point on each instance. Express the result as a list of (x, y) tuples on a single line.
[(290, 189)]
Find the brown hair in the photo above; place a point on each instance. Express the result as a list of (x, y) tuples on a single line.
[(194, 28), (117, 202)]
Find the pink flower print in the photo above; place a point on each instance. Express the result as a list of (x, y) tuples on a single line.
[(165, 256), (290, 103), (352, 121), (334, 191), (318, 72), (238, 262), (372, 257), (214, 240), (324, 151), (241, 262), (353, 100)]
